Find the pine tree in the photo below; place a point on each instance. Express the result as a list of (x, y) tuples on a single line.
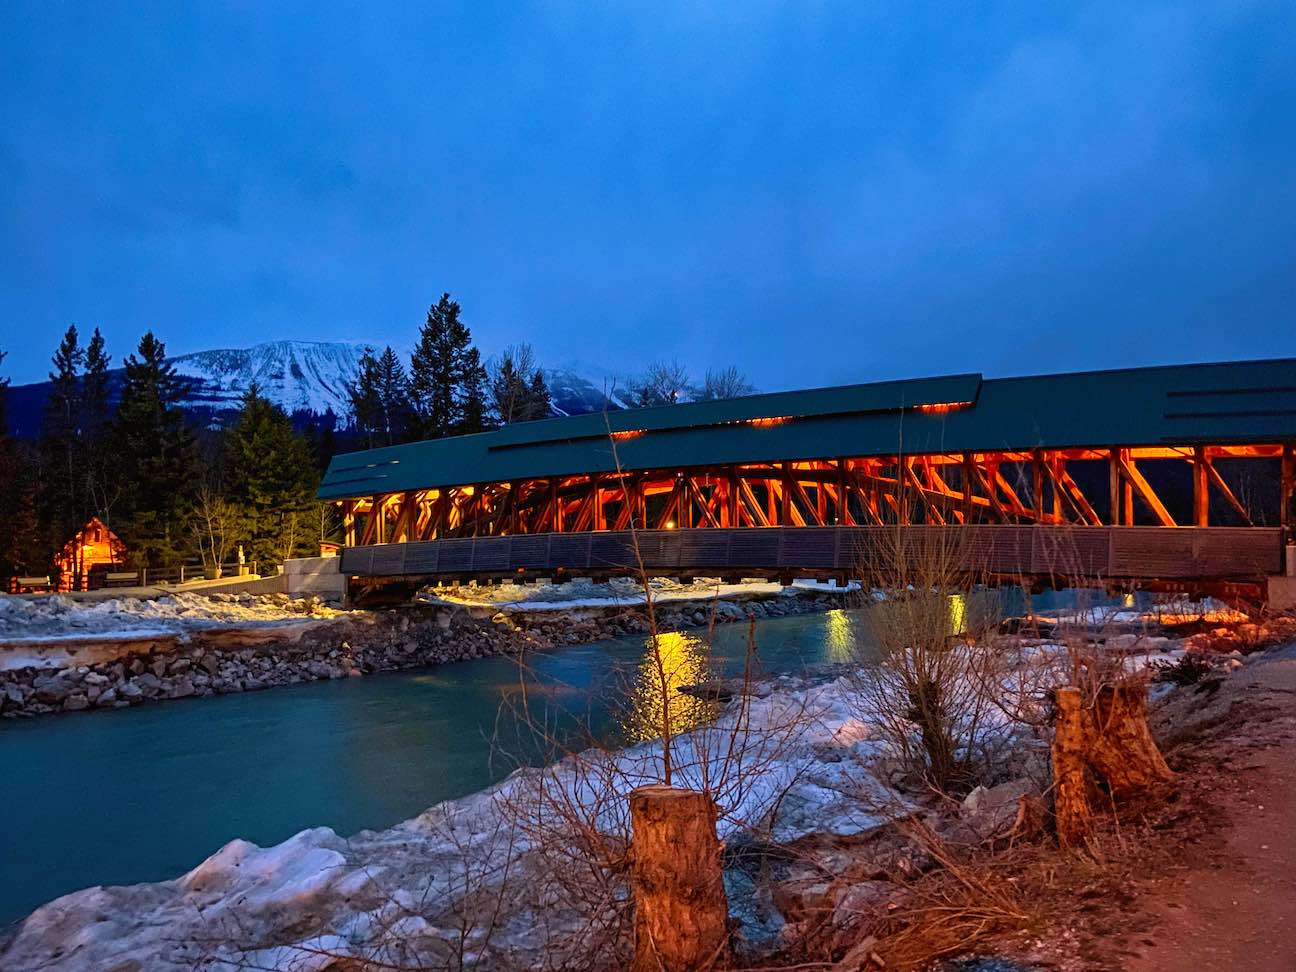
[(447, 379), (154, 454), (472, 395), (508, 391), (19, 547), (393, 398), (4, 384), (62, 497), (539, 402), (96, 430), (518, 389), (366, 403), (271, 478)]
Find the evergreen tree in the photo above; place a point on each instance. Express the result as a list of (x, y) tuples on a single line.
[(326, 443), (380, 399), (96, 430), (393, 398), (518, 389), (472, 395), (62, 495), (19, 547), (508, 391), (4, 384), (271, 479), (154, 454), (539, 402), (366, 403), (447, 379)]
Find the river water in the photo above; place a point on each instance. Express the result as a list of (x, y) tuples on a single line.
[(144, 794)]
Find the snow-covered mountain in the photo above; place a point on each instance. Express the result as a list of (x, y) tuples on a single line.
[(577, 389), (309, 376), (301, 377)]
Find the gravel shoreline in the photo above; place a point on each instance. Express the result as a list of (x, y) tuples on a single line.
[(138, 670)]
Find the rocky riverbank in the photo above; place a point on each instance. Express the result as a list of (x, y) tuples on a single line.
[(319, 643)]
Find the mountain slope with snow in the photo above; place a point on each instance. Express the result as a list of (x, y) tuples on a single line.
[(310, 376)]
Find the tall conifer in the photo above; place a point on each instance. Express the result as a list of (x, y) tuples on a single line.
[(154, 455), (271, 476)]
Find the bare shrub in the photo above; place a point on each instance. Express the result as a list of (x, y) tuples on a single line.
[(935, 690)]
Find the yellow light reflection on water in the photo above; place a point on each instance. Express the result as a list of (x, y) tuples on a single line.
[(684, 660), (958, 613), (840, 639)]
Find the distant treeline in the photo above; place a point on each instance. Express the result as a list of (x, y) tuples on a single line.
[(179, 491)]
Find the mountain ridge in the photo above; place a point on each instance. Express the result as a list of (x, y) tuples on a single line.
[(305, 378)]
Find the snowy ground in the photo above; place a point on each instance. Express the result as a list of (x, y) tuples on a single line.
[(487, 877), (613, 593), (1177, 610), (43, 619)]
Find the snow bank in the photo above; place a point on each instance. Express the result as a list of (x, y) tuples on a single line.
[(807, 759), (618, 592), (45, 619)]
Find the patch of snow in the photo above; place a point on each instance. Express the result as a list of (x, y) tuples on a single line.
[(43, 620), (807, 760), (617, 592)]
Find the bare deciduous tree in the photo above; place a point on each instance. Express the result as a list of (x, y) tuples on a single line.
[(725, 383), (662, 383)]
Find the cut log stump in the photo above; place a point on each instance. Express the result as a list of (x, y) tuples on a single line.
[(681, 913), (1111, 738), (1070, 797), (1121, 748)]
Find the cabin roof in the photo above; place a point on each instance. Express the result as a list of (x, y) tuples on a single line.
[(1220, 403)]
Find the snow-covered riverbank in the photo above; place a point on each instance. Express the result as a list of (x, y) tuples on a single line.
[(494, 877)]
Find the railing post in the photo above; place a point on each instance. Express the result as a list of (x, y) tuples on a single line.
[(1201, 487)]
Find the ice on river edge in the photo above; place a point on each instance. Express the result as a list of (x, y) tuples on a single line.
[(811, 748)]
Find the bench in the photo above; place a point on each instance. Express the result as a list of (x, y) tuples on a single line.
[(121, 578), (30, 585)]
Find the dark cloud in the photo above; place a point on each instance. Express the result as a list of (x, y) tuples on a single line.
[(819, 192)]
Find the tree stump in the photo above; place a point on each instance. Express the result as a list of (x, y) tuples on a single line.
[(1070, 798), (1121, 748), (681, 913)]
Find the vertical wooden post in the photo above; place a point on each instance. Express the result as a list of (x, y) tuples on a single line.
[(681, 912), (1127, 493), (1070, 800), (1288, 476), (969, 474), (1059, 466), (1113, 482), (1038, 475), (348, 523), (1201, 487)]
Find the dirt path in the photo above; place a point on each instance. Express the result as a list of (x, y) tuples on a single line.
[(1239, 913), (1238, 909), (1206, 881)]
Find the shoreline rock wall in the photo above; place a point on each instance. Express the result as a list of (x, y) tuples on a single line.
[(221, 661)]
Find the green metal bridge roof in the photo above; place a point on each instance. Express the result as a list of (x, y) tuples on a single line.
[(1236, 402)]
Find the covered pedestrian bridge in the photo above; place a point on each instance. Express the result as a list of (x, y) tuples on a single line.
[(1176, 476)]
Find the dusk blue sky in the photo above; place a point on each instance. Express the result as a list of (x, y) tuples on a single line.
[(816, 192)]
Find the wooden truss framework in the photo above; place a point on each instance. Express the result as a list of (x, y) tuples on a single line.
[(1011, 487)]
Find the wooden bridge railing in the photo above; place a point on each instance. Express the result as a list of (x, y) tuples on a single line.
[(1152, 553)]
